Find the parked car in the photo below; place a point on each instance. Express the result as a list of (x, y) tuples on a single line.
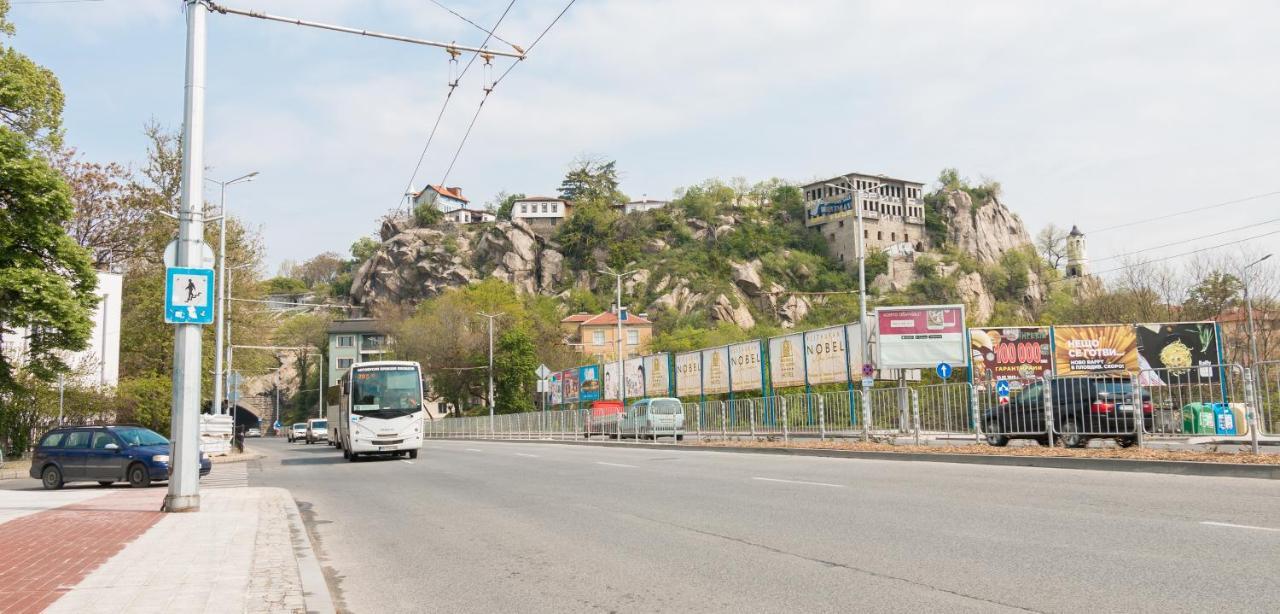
[(1084, 408), (103, 454), (253, 433), (297, 431), (651, 418), (317, 430)]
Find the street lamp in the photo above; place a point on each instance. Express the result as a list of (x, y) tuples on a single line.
[(622, 375), (491, 317), (1248, 305), (222, 283), (218, 375), (855, 200)]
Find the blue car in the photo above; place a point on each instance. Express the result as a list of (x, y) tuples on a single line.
[(103, 454)]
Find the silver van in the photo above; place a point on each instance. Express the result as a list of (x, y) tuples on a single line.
[(652, 418)]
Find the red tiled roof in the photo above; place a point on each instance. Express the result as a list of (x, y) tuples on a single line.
[(450, 192), (609, 318), (578, 317)]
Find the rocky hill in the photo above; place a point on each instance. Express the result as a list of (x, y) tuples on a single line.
[(702, 264)]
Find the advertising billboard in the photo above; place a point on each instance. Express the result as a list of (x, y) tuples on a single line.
[(856, 359), (589, 383), (747, 366), (689, 374), (1092, 350), (1178, 352), (921, 337), (657, 375), (570, 379), (786, 361), (715, 370), (1016, 354), (557, 390), (827, 355), (633, 375), (611, 379)]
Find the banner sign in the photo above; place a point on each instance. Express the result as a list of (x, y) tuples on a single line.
[(1091, 350), (557, 391), (1180, 351), (826, 355), (611, 380), (715, 370), (786, 361), (570, 379), (657, 375), (921, 337), (633, 375), (856, 359), (747, 366), (689, 374), (589, 383), (1012, 353)]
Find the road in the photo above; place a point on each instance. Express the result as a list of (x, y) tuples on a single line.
[(501, 527)]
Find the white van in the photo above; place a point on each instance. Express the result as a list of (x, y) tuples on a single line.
[(317, 430), (652, 418)]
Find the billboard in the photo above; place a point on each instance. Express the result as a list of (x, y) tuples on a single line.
[(856, 359), (611, 379), (570, 379), (786, 361), (557, 391), (1090, 350), (689, 374), (715, 370), (633, 375), (589, 383), (827, 356), (921, 337), (1014, 353), (657, 375), (747, 366), (1178, 352)]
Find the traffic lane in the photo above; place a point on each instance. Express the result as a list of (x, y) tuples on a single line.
[(388, 546), (1067, 533), (689, 511)]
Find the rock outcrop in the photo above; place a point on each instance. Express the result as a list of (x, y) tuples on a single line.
[(986, 229)]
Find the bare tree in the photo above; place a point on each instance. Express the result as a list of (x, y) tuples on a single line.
[(111, 210), (1051, 243)]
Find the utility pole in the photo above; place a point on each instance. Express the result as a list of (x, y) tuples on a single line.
[(622, 376), (1248, 302), (184, 481), (491, 318), (218, 389), (61, 390), (855, 200)]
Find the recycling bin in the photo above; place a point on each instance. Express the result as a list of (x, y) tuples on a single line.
[(1224, 420), (1197, 419)]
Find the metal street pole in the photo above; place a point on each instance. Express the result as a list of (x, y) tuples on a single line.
[(855, 199), (1248, 302), (491, 318), (218, 389), (61, 386), (184, 482), (622, 376)]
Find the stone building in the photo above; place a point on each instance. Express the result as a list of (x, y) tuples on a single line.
[(1077, 261), (543, 214), (597, 334), (892, 213)]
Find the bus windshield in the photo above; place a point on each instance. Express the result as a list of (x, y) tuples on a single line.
[(386, 392)]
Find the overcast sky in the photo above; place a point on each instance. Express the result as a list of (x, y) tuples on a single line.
[(1089, 113)]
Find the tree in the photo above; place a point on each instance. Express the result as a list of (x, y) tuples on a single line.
[(321, 269), (363, 249), (1051, 244), (505, 203), (514, 364), (592, 225), (592, 179), (111, 210), (426, 215), (30, 97), (1213, 295)]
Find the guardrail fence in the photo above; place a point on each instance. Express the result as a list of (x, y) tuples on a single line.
[(1201, 401)]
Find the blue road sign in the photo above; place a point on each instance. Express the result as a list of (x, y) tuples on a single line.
[(188, 296), (944, 370), (1002, 388)]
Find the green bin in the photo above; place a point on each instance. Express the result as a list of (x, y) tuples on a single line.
[(1197, 419)]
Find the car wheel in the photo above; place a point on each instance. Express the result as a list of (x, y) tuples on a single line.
[(353, 457), (346, 454), (105, 482), (139, 477), (997, 441), (1071, 437), (1126, 442), (679, 437), (413, 454), (51, 478)]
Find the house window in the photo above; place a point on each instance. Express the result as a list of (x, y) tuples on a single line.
[(346, 341), (841, 224), (344, 363), (906, 237), (597, 337), (524, 208), (555, 207), (879, 235), (893, 236), (544, 207), (866, 234), (633, 337)]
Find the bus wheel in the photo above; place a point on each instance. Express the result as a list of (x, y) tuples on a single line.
[(353, 457), (413, 454)]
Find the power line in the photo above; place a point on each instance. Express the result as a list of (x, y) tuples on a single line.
[(15, 2), (493, 86), (1194, 251), (1171, 215), (478, 26), (1216, 234)]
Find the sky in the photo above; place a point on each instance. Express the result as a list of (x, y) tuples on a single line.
[(1098, 114)]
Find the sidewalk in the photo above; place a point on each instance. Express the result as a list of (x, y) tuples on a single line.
[(109, 550)]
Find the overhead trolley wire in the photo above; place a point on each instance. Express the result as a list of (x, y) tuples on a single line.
[(1179, 213), (1162, 259), (1197, 238)]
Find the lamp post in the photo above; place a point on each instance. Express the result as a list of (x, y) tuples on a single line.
[(622, 375), (855, 199), (1253, 351), (490, 317), (225, 377), (222, 286)]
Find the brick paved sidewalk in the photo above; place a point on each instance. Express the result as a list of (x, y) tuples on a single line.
[(246, 550)]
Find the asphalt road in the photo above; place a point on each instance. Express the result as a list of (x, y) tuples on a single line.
[(505, 527)]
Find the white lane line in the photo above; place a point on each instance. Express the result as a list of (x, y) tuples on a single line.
[(527, 455), (615, 465), (406, 461), (800, 482), (1238, 526), (474, 450)]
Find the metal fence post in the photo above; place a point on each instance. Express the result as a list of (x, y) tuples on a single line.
[(1048, 410), (915, 414), (751, 416), (866, 414), (724, 428), (973, 409), (786, 434), (1139, 411), (1252, 415), (822, 418), (902, 407)]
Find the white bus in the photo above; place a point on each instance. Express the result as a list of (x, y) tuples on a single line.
[(379, 409)]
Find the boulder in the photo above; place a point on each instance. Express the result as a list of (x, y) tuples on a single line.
[(746, 275), (724, 310), (977, 300)]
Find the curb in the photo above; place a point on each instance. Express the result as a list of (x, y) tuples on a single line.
[(315, 592), (1221, 470), (239, 458)]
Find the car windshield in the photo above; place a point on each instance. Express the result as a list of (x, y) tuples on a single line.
[(301, 426), (138, 436), (1115, 387), (319, 424), (386, 392), (665, 406)]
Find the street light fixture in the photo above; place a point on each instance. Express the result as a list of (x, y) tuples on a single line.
[(856, 201), (622, 375), (221, 378), (221, 307), (1253, 348), (490, 317)]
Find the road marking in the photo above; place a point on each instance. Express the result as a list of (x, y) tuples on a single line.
[(1238, 526), (800, 482), (474, 450), (615, 464), (527, 455), (406, 461)]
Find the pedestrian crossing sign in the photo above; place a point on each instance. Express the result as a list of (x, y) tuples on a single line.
[(188, 296)]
